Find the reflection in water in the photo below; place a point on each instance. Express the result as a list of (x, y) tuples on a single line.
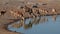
[(43, 20), (33, 21), (54, 17), (26, 26)]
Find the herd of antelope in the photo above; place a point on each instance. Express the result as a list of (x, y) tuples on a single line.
[(34, 11)]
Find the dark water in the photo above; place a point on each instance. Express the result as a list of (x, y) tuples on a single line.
[(39, 25)]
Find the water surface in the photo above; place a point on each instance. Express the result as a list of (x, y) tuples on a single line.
[(39, 25)]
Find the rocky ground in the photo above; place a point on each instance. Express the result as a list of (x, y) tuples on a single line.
[(20, 9)]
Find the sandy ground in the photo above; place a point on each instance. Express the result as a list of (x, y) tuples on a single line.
[(15, 4), (3, 26)]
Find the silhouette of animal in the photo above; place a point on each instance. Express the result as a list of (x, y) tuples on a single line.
[(2, 12)]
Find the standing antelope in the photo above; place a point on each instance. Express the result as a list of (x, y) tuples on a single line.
[(2, 12), (17, 14), (54, 11)]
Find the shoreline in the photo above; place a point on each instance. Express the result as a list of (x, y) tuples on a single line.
[(15, 10), (5, 29)]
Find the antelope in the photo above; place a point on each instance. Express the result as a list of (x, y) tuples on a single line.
[(54, 11), (17, 14), (2, 12)]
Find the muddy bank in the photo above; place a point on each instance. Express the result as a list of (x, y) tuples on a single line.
[(5, 31), (4, 27)]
